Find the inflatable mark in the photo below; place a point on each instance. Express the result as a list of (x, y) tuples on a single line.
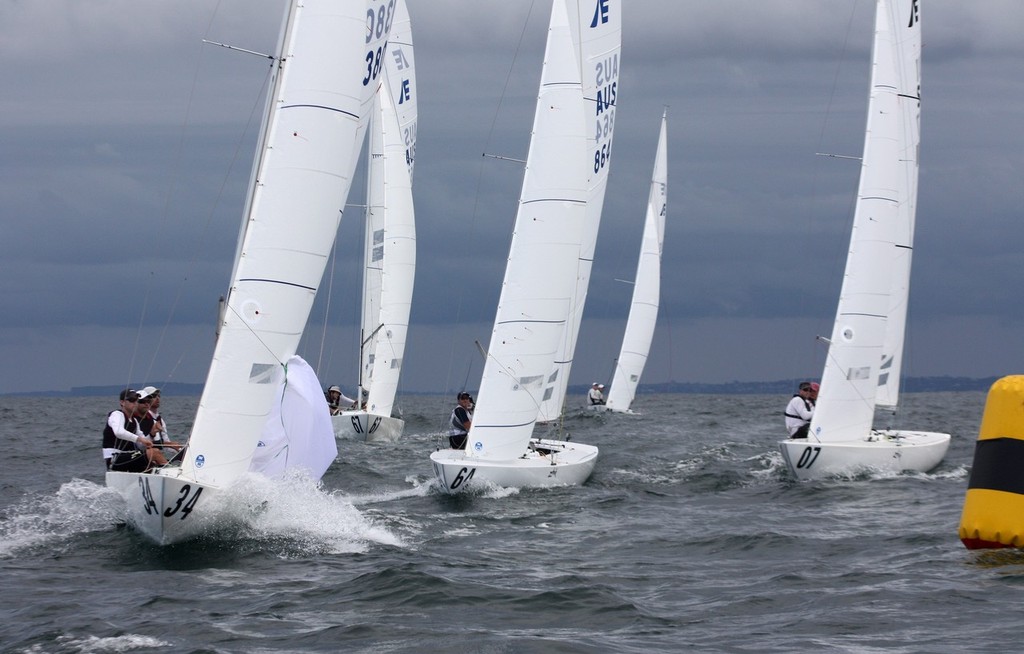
[(993, 513)]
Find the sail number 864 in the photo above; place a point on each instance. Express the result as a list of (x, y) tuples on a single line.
[(602, 156)]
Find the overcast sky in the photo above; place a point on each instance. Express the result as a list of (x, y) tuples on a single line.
[(127, 145)]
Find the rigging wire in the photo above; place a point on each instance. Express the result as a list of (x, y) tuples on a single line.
[(816, 356), (175, 177), (460, 298)]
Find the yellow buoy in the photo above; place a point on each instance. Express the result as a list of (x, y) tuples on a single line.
[(993, 513)]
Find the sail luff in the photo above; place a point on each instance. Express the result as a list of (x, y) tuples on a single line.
[(313, 136), (540, 275), (846, 403), (643, 310)]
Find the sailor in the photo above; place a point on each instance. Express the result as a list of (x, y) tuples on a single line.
[(596, 393), (125, 449), (799, 411), (337, 401), (461, 420), (152, 424)]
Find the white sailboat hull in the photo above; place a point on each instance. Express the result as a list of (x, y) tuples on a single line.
[(880, 451), (166, 507), (547, 463), (602, 408), (370, 427)]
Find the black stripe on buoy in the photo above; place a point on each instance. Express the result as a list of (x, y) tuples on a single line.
[(998, 463)]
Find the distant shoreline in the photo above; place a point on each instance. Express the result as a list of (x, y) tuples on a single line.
[(782, 386)]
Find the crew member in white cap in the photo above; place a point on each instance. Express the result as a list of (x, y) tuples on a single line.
[(337, 401), (596, 393), (151, 422)]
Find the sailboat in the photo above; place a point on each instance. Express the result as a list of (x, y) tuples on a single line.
[(643, 310), (862, 368), (390, 244), (598, 38), (541, 273), (326, 73)]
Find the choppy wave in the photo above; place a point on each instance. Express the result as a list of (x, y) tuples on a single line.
[(690, 536)]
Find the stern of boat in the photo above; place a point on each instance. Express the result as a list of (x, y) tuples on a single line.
[(545, 463)]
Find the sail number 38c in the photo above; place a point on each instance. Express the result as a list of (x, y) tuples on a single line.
[(378, 26)]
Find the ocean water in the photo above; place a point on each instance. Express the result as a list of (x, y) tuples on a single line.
[(690, 536)]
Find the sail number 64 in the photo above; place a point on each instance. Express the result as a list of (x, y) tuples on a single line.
[(462, 477)]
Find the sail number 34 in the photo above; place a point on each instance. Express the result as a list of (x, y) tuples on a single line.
[(186, 500)]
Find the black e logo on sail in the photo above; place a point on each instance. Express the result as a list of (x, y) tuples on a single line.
[(601, 12)]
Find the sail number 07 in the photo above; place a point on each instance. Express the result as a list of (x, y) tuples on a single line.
[(808, 457)]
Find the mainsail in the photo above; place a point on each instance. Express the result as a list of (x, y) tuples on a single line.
[(390, 249), (540, 277), (865, 349), (314, 126), (597, 34), (643, 309)]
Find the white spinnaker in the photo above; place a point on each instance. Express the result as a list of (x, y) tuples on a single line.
[(298, 434), (880, 240), (643, 309), (597, 33), (313, 132), (392, 252), (540, 275)]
